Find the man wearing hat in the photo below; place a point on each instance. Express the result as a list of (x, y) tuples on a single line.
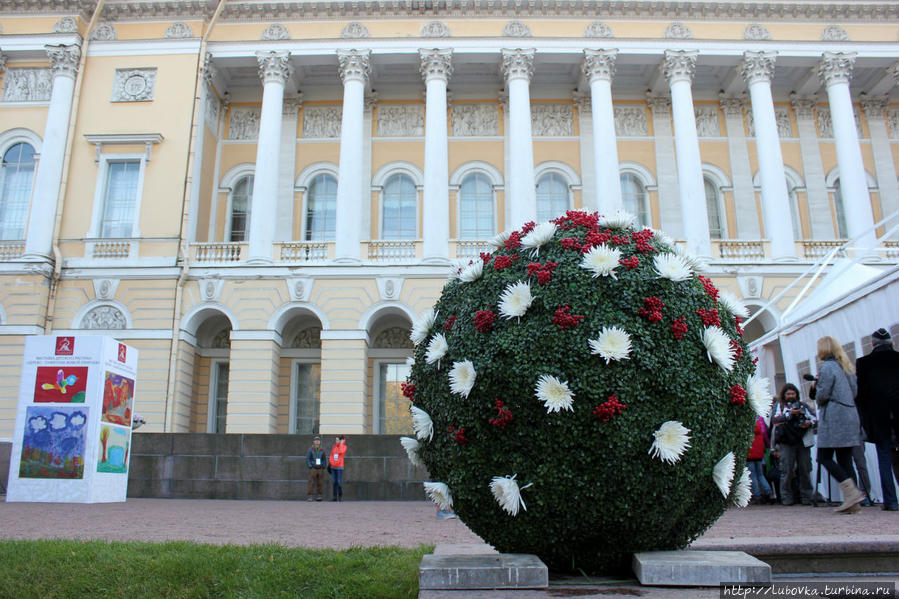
[(316, 462), (878, 402)]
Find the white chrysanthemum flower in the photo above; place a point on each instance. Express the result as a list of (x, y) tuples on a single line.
[(457, 266), (602, 260), (411, 446), (613, 344), (717, 344), (462, 377), (440, 494), (515, 300), (757, 389), (421, 326), (662, 237), (743, 490), (697, 264), (422, 424), (507, 493), (723, 473), (671, 266), (732, 304), (437, 348), (539, 235), (554, 394), (472, 272), (671, 441), (498, 242), (410, 361), (620, 219)]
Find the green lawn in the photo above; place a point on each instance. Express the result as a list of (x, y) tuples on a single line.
[(99, 569)]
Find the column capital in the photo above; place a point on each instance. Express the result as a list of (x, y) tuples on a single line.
[(354, 65), (874, 105), (804, 107), (757, 66), (210, 72), (836, 67), (660, 105), (599, 64), (732, 105), (436, 64), (273, 66), (291, 106), (518, 64), (679, 65), (64, 60)]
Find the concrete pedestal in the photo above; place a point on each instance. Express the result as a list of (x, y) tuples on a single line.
[(698, 568), (466, 572)]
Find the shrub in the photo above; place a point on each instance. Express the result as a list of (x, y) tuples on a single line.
[(523, 372)]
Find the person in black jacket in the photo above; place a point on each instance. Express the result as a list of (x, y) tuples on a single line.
[(317, 461), (878, 401)]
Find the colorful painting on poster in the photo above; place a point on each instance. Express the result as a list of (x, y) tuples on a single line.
[(114, 445), (53, 443), (118, 394), (60, 385)]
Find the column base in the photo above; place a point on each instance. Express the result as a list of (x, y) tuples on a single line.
[(259, 262)]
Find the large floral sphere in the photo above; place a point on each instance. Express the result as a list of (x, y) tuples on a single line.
[(582, 393)]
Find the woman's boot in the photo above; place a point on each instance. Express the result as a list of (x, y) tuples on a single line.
[(851, 495)]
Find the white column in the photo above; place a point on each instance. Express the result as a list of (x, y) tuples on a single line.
[(287, 170), (744, 194), (64, 62), (599, 68), (835, 70), (588, 172), (274, 69), (436, 69), (518, 67), (196, 182), (355, 67), (812, 168), (883, 156), (669, 202), (757, 71), (678, 68)]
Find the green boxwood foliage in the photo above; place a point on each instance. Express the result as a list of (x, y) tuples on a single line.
[(597, 494)]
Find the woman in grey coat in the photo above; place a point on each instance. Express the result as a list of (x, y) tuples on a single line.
[(838, 425)]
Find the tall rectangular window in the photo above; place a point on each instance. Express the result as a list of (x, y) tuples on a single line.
[(393, 408), (219, 406), (120, 198), (307, 394)]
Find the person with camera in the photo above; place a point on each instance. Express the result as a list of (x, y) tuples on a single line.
[(335, 466), (838, 422), (793, 421)]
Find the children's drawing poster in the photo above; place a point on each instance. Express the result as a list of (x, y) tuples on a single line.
[(53, 442), (118, 393), (113, 449), (54, 384)]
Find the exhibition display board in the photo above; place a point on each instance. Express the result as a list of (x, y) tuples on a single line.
[(73, 425)]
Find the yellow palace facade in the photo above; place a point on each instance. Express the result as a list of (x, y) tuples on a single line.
[(262, 196)]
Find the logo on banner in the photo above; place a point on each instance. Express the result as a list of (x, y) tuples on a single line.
[(65, 346), (122, 351)]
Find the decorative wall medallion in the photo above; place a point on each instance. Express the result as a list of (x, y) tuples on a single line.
[(244, 123), (389, 289), (471, 120), (178, 31), (707, 123), (354, 30), (275, 31), (678, 31), (211, 289), (104, 32), (104, 318), (750, 286), (321, 122), (552, 120), (516, 29), (105, 288), (435, 29), (66, 25), (27, 85), (631, 121), (401, 120), (299, 288), (834, 33), (756, 32), (134, 85), (598, 29)]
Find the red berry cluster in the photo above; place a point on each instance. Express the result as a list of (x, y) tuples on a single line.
[(408, 391), (543, 271), (501, 262), (570, 243), (709, 317), (564, 319), (503, 415), (595, 238), (709, 288), (652, 309), (528, 227), (483, 320), (608, 408), (631, 263), (679, 327), (641, 238), (514, 241), (736, 348), (737, 395), (620, 240), (449, 323), (577, 218), (738, 321), (458, 434), (485, 257)]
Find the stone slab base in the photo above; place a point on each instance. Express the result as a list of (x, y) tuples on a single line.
[(486, 571), (698, 568)]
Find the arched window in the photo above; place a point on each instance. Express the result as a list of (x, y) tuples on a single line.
[(321, 208), (16, 177), (398, 205), (476, 207), (717, 229), (552, 196), (794, 209), (633, 198), (842, 229), (241, 200)]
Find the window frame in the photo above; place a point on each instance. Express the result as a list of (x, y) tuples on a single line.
[(382, 203), (4, 149), (567, 185), (101, 188), (212, 406), (229, 208), (294, 383), (377, 362), (647, 204), (719, 200), (306, 232), (492, 185)]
